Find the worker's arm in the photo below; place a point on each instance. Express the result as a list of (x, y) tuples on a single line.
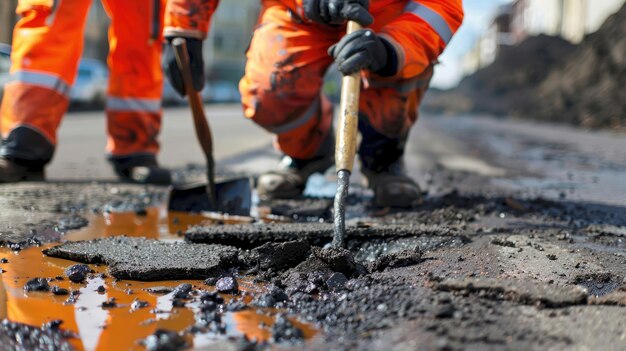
[(189, 19), (421, 34), (404, 47)]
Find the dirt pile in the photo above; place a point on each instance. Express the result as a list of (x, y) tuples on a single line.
[(547, 78), (588, 87)]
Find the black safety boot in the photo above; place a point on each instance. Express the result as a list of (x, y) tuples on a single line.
[(289, 179), (11, 171), (392, 186), (383, 169), (142, 169), (23, 155)]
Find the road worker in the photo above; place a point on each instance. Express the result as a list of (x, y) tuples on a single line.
[(294, 44), (47, 46)]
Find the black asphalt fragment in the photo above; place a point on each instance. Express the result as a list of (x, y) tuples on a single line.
[(279, 256), (227, 285), (149, 260), (253, 235), (164, 340), (16, 336), (78, 272), (37, 284), (524, 292)]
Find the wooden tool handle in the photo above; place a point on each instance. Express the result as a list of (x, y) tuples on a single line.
[(203, 131), (345, 149)]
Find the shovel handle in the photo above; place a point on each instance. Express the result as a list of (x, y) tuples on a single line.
[(203, 131), (347, 127)]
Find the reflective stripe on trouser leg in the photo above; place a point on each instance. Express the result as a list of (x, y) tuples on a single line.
[(136, 82), (132, 133), (34, 106), (304, 140), (44, 59), (286, 63)]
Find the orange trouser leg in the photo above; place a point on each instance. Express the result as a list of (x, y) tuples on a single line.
[(135, 84), (389, 103), (47, 43), (280, 91)]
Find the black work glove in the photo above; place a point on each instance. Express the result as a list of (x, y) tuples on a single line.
[(196, 63), (337, 12), (363, 49)]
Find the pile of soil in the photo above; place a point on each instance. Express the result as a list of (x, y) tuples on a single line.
[(547, 78), (588, 87)]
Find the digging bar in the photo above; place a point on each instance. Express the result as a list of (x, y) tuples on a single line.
[(345, 148)]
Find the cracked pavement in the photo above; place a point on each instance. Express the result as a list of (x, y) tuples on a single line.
[(520, 241)]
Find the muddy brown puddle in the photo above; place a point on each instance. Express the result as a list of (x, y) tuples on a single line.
[(121, 327)]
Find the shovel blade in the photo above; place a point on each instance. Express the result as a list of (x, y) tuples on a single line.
[(234, 197)]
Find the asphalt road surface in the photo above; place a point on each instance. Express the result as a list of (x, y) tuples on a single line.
[(82, 138), (553, 161), (519, 244)]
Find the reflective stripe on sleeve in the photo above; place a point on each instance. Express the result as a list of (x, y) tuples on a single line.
[(42, 79), (433, 19), (133, 104)]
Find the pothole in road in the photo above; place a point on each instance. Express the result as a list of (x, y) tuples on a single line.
[(111, 314), (103, 311), (598, 284)]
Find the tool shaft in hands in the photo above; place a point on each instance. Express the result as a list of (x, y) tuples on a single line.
[(203, 131), (343, 185), (345, 149)]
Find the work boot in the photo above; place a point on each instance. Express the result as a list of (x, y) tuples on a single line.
[(11, 171), (383, 168), (23, 154), (392, 187), (289, 179), (142, 169)]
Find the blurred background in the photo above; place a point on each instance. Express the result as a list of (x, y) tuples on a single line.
[(231, 30), (554, 60)]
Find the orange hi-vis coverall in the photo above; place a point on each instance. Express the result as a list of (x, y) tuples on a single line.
[(47, 46), (287, 60)]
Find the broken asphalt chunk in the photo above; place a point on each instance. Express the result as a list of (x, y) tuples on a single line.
[(77, 273), (524, 292), (279, 256), (37, 284), (162, 340), (283, 331), (227, 285), (149, 260), (16, 336), (403, 258), (59, 291), (253, 235)]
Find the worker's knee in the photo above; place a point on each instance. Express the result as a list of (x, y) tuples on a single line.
[(277, 109)]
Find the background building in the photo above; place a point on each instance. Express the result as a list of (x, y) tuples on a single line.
[(7, 20), (512, 23), (231, 30)]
